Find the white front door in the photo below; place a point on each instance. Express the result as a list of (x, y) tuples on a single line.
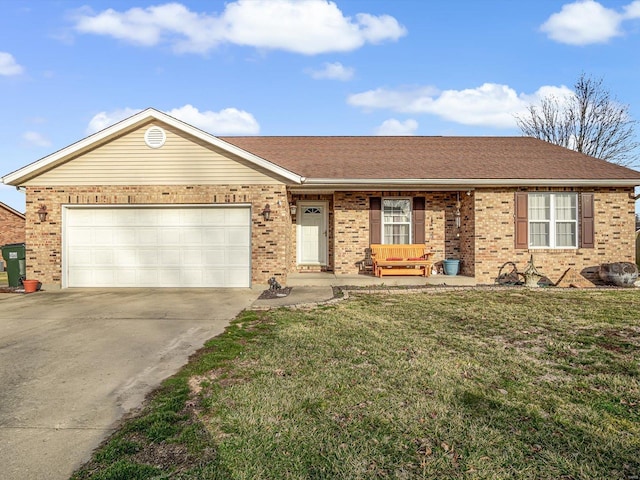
[(312, 234)]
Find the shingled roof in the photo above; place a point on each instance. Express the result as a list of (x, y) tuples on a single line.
[(488, 158)]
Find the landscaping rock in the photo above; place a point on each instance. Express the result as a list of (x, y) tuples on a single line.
[(621, 274), (573, 279)]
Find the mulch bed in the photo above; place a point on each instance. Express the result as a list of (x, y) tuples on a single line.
[(269, 294)]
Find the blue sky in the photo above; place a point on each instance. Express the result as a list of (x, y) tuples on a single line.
[(307, 67)]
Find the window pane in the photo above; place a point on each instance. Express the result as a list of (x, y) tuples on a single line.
[(396, 234), (539, 234), (566, 204), (396, 211), (566, 234), (539, 206)]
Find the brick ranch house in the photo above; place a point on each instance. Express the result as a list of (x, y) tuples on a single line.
[(12, 225), (152, 201)]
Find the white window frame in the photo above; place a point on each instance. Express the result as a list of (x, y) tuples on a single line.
[(553, 221), (410, 222)]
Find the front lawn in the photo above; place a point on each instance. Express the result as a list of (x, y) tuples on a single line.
[(4, 279), (476, 384)]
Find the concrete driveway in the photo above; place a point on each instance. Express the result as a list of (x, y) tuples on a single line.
[(72, 362)]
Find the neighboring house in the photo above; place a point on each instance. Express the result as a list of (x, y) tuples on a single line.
[(12, 225), (152, 201)]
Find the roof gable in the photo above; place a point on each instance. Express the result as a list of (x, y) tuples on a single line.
[(181, 160), (119, 129)]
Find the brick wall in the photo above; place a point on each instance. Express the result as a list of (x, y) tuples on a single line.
[(494, 235), (271, 243), (485, 240), (11, 227), (351, 229)]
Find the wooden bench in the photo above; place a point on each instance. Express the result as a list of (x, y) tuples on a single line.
[(411, 259)]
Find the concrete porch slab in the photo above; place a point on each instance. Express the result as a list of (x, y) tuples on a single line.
[(329, 279)]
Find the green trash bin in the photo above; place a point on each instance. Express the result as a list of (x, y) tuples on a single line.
[(14, 255)]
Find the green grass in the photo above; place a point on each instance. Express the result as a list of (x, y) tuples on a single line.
[(476, 384), (3, 279)]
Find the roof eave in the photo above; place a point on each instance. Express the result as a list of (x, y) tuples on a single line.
[(377, 183), (32, 170)]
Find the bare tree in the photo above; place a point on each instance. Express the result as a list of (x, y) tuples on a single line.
[(589, 121)]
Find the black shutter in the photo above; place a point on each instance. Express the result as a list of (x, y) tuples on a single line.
[(587, 230), (418, 220), (375, 219), (522, 220)]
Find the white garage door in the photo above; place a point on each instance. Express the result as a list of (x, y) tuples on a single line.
[(158, 247)]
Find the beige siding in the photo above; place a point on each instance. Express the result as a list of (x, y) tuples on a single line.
[(129, 161)]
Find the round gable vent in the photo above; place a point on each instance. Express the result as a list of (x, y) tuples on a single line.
[(155, 137)]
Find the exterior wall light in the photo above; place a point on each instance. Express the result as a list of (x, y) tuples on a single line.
[(266, 213), (293, 208), (42, 213)]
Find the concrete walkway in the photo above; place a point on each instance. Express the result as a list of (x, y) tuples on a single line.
[(72, 362), (313, 288), (327, 278)]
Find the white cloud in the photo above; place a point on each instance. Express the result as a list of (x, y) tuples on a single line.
[(302, 26), (396, 127), (490, 105), (36, 139), (585, 22), (229, 121), (632, 10), (333, 71), (8, 65), (102, 120)]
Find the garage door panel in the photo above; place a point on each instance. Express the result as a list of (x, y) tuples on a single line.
[(147, 258), (148, 236), (123, 218), (170, 257), (169, 236), (158, 247), (215, 257), (217, 277), (238, 216), (235, 277), (81, 235), (214, 235), (191, 235), (237, 236), (126, 277), (190, 217), (103, 257), (81, 257), (235, 256), (117, 236), (214, 216)]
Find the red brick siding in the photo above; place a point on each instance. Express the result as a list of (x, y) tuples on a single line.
[(11, 227)]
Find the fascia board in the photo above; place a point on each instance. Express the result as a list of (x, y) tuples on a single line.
[(31, 170), (468, 182)]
